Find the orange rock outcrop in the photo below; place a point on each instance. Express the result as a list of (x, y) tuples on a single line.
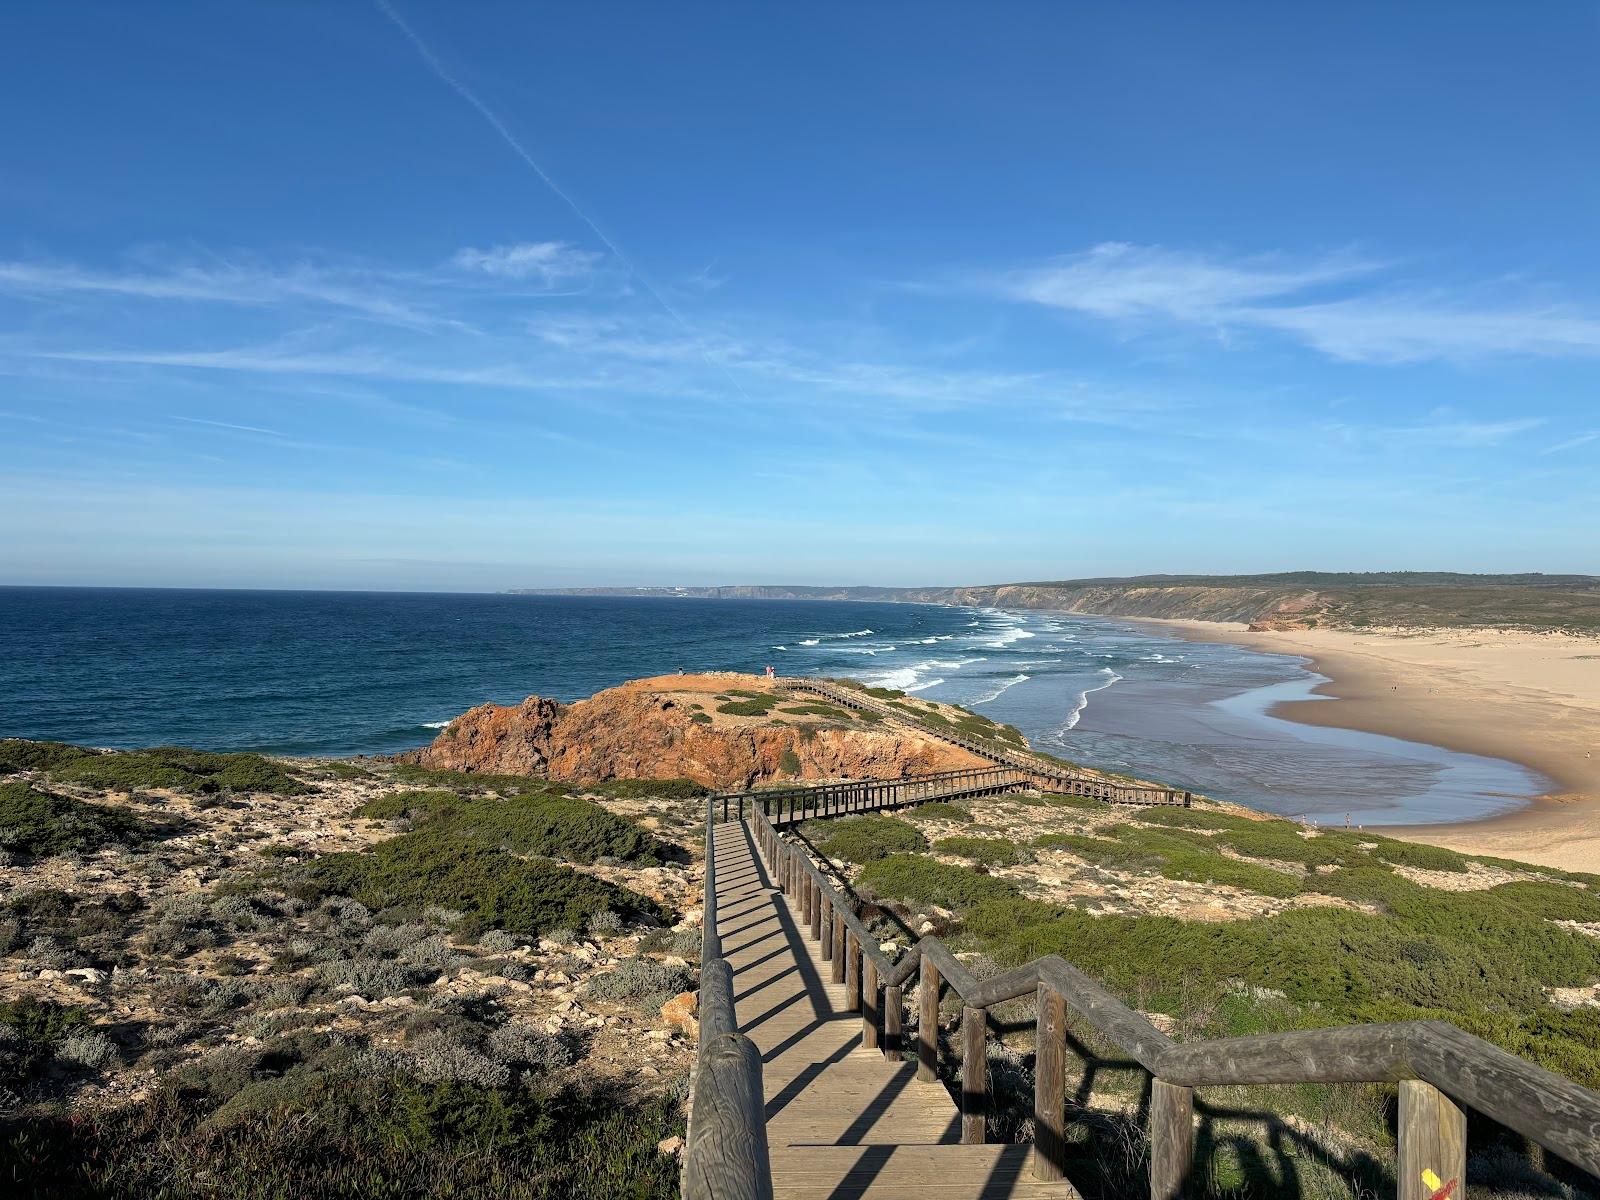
[(669, 727)]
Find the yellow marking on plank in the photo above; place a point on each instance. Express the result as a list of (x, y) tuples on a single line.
[(1433, 1181)]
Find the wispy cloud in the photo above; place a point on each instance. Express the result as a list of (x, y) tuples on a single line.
[(1382, 321), (1118, 280), (435, 65), (1442, 434), (231, 426), (227, 282), (1583, 439), (551, 262)]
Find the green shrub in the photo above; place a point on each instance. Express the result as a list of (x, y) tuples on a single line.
[(19, 755), (921, 880), (789, 761), (179, 770), (865, 839), (40, 1026), (648, 789), (473, 782), (334, 1129), (1195, 818), (941, 810), (1213, 868), (1174, 853), (700, 718), (529, 823), (38, 824), (494, 888), (1480, 959), (757, 705), (1281, 841), (1415, 854), (991, 852), (343, 770), (646, 982), (1063, 800), (817, 710)]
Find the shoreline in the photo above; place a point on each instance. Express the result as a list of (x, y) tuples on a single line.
[(1528, 698)]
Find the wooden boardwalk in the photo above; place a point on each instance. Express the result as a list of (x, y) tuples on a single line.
[(842, 1121)]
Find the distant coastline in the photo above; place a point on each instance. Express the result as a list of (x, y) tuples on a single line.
[(1287, 600)]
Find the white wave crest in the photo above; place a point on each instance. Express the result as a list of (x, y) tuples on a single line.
[(1083, 698), (435, 724), (811, 641), (917, 687), (1003, 688), (1008, 636)]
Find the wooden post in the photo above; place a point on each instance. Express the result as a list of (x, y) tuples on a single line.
[(808, 898), (974, 1076), (817, 908), (894, 1007), (852, 973), (870, 1014), (1049, 1085), (838, 947), (1433, 1142), (1171, 1139), (928, 1023), (825, 933)]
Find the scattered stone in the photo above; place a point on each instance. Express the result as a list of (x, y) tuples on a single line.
[(680, 1012)]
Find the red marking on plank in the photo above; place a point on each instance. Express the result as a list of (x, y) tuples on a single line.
[(1444, 1192)]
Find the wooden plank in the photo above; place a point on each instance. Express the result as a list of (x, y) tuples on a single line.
[(852, 973), (974, 1076), (836, 959), (928, 1023), (871, 1005), (1433, 1143), (894, 1007), (1171, 1139), (1049, 1085)]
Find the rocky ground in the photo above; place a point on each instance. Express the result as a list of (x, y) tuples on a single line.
[(186, 947)]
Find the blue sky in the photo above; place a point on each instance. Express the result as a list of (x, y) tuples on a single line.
[(482, 296)]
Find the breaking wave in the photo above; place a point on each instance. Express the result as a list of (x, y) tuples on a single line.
[(1083, 698)]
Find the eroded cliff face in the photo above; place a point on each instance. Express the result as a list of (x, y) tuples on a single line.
[(670, 727)]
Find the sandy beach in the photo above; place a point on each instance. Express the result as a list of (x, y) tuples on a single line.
[(1530, 698)]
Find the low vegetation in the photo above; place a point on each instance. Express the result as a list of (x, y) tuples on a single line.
[(828, 711), (866, 839), (553, 826), (35, 823), (751, 704), (370, 979), (1333, 927), (491, 886), (919, 880), (991, 852), (171, 767), (323, 1118)]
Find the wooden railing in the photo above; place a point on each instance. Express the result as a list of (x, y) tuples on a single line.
[(1438, 1067), (726, 1153), (1044, 772), (785, 806)]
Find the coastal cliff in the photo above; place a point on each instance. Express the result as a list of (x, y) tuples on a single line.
[(721, 730), (1288, 600)]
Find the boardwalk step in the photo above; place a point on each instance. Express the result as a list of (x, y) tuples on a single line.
[(898, 1172)]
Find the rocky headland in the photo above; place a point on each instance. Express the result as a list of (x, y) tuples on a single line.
[(723, 730)]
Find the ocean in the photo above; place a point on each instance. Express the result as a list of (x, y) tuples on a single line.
[(345, 673)]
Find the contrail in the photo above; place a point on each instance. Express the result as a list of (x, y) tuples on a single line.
[(521, 152)]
